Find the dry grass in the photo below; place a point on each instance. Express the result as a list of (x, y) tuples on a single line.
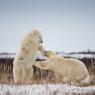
[(40, 76), (6, 73)]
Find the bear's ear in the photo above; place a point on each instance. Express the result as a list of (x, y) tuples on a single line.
[(35, 32)]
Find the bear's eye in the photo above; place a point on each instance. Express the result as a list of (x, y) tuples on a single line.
[(39, 37)]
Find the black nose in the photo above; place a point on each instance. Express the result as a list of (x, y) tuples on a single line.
[(41, 41)]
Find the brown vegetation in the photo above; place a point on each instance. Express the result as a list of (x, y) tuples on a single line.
[(40, 76)]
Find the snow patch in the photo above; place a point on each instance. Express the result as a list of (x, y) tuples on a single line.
[(44, 89)]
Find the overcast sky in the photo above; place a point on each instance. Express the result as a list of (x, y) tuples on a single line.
[(66, 25)]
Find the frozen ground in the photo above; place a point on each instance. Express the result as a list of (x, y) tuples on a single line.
[(7, 55), (74, 55), (79, 56), (45, 89)]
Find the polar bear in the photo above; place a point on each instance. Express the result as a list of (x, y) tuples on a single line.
[(68, 70), (22, 64)]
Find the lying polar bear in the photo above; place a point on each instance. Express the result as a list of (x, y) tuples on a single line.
[(65, 69), (22, 64)]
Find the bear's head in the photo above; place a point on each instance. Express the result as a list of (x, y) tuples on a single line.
[(34, 36), (37, 36), (50, 54)]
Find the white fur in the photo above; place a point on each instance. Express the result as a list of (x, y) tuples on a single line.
[(65, 69), (22, 64)]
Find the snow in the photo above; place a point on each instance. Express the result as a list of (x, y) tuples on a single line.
[(45, 89), (7, 55), (76, 55)]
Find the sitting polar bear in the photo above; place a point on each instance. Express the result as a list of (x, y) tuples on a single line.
[(66, 69), (22, 64)]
